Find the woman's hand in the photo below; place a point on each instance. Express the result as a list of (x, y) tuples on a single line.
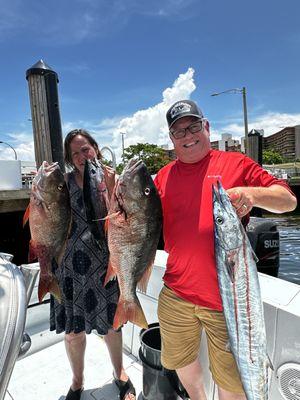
[(110, 179)]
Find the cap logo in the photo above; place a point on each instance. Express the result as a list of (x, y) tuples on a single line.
[(179, 108)]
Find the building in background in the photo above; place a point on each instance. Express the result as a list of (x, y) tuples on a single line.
[(286, 142), (226, 143)]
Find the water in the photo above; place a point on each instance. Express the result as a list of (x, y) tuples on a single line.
[(289, 232)]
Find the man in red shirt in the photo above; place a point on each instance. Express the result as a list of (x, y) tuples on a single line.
[(190, 299)]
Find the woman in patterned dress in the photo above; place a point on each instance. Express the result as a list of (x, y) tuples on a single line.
[(86, 303)]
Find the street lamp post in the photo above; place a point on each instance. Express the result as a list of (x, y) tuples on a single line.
[(123, 133), (243, 92), (16, 157)]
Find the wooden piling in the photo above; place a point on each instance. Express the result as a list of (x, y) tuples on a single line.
[(47, 132), (254, 144)]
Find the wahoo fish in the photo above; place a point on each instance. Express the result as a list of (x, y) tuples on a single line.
[(134, 225), (49, 214), (95, 197), (241, 297)]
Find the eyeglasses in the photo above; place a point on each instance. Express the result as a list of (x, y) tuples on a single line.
[(192, 128)]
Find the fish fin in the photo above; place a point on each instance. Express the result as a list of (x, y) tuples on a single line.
[(256, 259), (108, 217), (26, 215), (32, 256), (110, 274), (143, 282), (106, 224), (51, 286), (131, 312), (113, 215)]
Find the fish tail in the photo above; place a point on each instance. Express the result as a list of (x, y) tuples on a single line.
[(129, 311), (46, 286)]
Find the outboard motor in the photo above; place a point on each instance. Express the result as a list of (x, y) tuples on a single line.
[(264, 238)]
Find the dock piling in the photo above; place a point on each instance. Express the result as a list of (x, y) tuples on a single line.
[(46, 122)]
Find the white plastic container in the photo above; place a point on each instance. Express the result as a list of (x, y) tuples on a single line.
[(10, 175)]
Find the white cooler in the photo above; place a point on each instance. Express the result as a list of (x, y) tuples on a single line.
[(10, 175)]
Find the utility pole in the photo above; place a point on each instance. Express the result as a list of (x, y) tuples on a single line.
[(245, 118), (243, 92)]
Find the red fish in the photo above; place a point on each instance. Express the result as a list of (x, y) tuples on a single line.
[(49, 215), (135, 219)]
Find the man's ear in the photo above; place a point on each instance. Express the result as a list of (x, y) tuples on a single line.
[(207, 126)]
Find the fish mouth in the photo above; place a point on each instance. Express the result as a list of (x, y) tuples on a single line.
[(38, 184), (132, 167), (225, 212), (91, 166), (218, 192), (220, 195), (48, 168)]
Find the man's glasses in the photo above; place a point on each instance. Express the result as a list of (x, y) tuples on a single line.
[(192, 128)]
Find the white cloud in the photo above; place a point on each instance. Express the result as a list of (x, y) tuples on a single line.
[(270, 122), (149, 125), (23, 145), (144, 126), (274, 122)]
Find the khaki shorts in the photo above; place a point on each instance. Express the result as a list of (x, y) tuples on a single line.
[(181, 323)]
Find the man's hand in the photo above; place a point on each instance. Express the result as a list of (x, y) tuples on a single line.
[(274, 198), (241, 200)]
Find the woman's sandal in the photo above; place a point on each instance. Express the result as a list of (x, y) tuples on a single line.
[(74, 394), (125, 388)]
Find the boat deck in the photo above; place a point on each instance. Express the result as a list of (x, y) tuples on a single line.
[(46, 374)]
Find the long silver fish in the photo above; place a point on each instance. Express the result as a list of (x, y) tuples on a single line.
[(241, 298)]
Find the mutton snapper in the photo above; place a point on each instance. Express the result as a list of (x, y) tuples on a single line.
[(49, 214), (241, 298), (95, 197), (134, 226)]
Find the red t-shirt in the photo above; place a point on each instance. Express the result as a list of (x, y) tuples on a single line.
[(186, 194)]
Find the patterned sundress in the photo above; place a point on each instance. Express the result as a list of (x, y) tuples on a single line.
[(86, 303)]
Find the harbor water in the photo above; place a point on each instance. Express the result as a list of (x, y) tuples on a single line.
[(289, 232)]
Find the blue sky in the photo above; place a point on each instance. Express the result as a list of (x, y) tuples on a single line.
[(121, 63)]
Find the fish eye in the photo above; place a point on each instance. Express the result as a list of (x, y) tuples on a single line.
[(147, 191), (60, 186), (219, 220)]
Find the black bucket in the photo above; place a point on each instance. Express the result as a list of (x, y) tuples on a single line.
[(159, 383)]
